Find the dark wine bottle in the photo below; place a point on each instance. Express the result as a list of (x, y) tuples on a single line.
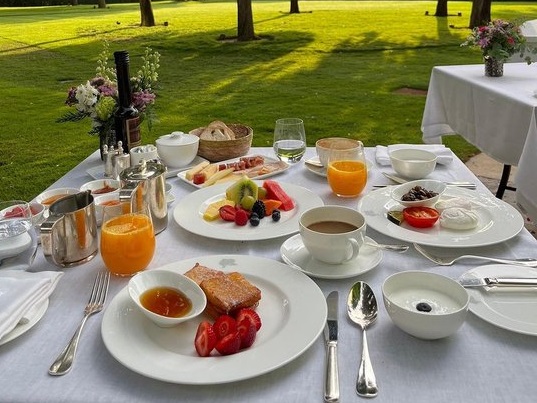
[(127, 117)]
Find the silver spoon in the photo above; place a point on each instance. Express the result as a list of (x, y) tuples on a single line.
[(362, 309), (395, 248)]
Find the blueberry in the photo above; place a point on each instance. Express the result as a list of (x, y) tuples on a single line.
[(276, 215), (423, 307), (254, 220)]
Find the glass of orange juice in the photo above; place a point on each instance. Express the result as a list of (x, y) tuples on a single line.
[(127, 239), (347, 170)]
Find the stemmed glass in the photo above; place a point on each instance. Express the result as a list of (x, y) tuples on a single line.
[(127, 239), (289, 139), (18, 239), (347, 170)]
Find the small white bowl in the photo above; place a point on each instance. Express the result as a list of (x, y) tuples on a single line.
[(100, 187), (448, 300), (324, 145), (412, 163), (427, 184), (150, 279), (37, 210), (177, 149), (102, 201), (50, 196)]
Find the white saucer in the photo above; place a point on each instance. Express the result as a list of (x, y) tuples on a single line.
[(295, 254), (314, 165)]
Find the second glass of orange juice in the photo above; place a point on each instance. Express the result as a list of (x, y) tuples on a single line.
[(347, 171), (127, 240)]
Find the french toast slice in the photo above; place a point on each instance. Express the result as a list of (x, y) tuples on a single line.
[(200, 273)]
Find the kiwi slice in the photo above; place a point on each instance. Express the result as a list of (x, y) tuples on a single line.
[(395, 216), (240, 189)]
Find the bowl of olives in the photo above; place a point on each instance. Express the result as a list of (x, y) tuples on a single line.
[(425, 305), (424, 192)]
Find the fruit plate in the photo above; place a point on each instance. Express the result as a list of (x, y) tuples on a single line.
[(291, 322), (188, 213), (276, 164)]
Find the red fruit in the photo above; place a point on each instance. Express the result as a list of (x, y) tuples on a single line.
[(16, 211), (230, 344), (275, 191), (224, 325), (250, 314), (247, 332), (205, 340), (227, 213), (198, 178), (241, 217)]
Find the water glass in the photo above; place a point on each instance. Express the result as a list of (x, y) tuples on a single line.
[(289, 139), (347, 171), (18, 239), (127, 239)]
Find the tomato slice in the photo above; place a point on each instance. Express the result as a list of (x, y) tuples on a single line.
[(420, 217)]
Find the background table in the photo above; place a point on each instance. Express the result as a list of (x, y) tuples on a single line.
[(495, 114), (481, 363)]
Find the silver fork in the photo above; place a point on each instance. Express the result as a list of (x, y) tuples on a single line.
[(64, 362), (527, 262)]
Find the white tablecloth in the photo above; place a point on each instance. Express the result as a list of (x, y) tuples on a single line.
[(495, 114), (481, 363)]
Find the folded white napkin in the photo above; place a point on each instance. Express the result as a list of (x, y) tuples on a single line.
[(443, 153), (20, 292)]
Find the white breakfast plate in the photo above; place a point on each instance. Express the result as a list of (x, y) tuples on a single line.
[(98, 171), (188, 213), (498, 220), (295, 254), (22, 328), (312, 165), (513, 309), (268, 160), (292, 310)]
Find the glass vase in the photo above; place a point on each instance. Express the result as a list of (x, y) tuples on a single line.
[(493, 67)]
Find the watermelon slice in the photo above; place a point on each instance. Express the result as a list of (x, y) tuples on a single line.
[(275, 191)]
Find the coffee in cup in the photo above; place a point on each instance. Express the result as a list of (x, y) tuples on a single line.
[(332, 234)]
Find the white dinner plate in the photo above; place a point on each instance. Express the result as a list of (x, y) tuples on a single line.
[(511, 308), (188, 213), (295, 254), (292, 310), (22, 328), (498, 220), (98, 171), (268, 160)]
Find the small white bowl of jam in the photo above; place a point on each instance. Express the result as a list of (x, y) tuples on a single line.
[(165, 297)]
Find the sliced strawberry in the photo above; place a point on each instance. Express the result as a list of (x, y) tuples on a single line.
[(247, 331), (250, 314), (230, 344), (16, 211), (205, 340), (224, 325), (227, 213), (241, 217)]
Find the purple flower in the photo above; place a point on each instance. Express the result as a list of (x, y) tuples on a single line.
[(141, 99)]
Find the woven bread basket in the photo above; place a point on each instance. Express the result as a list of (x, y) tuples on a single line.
[(216, 151)]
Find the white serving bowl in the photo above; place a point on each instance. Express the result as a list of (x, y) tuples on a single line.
[(427, 184), (178, 149), (324, 145), (102, 201), (50, 196), (448, 300), (412, 163), (149, 279), (37, 210), (100, 187)]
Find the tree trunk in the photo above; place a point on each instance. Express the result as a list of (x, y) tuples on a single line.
[(102, 3), (441, 8), (480, 13), (74, 2), (245, 21), (294, 7), (146, 10)]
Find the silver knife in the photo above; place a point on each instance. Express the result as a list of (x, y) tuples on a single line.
[(464, 184), (331, 383), (498, 282)]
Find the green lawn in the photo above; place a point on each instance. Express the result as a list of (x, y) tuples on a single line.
[(337, 65)]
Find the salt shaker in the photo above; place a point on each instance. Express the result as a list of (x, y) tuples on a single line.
[(107, 155), (120, 161)]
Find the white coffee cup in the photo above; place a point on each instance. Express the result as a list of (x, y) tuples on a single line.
[(333, 234), (146, 152)]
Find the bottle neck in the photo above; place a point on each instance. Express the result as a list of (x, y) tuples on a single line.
[(123, 78)]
